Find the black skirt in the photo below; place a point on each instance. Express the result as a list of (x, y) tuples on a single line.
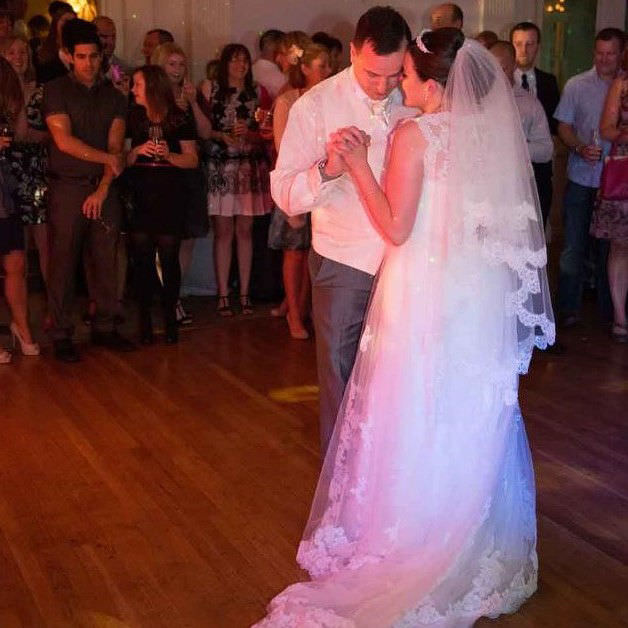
[(160, 200)]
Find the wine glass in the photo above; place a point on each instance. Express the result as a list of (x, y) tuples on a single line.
[(596, 141), (156, 135)]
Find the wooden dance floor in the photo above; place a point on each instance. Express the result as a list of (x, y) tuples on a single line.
[(169, 487)]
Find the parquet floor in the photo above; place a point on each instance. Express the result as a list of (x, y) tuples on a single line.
[(168, 487)]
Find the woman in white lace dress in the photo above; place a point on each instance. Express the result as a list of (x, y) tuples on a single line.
[(425, 510)]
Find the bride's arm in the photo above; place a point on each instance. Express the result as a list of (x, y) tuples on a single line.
[(392, 209)]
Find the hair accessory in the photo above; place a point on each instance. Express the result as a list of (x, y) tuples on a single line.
[(294, 54), (419, 41)]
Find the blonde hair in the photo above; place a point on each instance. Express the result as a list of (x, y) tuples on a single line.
[(5, 44), (296, 77), (163, 51)]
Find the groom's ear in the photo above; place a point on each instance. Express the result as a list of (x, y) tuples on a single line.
[(353, 52)]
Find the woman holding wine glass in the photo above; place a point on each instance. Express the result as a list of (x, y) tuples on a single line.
[(163, 146), (171, 57), (237, 168), (12, 124)]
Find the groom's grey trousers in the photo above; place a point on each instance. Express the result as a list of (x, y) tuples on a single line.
[(340, 295)]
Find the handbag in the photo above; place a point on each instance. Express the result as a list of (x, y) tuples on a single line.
[(614, 181)]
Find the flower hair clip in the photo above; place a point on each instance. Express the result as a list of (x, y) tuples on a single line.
[(294, 54), (419, 42)]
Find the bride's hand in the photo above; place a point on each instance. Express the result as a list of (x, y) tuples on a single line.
[(352, 144)]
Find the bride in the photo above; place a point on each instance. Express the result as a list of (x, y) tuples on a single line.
[(424, 513)]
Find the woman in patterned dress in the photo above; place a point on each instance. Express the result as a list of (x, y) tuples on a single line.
[(610, 218), (237, 168), (309, 66), (28, 157)]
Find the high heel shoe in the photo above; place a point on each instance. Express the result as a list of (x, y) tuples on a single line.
[(28, 348), (5, 356), (224, 308), (245, 305)]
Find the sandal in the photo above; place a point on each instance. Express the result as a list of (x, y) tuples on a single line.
[(619, 333), (224, 307), (246, 305)]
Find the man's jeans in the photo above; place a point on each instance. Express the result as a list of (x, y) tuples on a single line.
[(578, 205)]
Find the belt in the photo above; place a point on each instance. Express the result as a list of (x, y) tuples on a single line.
[(78, 179)]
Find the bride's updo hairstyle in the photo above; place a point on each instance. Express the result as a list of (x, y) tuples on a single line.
[(442, 45)]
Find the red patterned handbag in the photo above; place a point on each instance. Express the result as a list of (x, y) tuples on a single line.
[(614, 182)]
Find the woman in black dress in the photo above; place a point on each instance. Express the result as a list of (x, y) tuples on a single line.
[(163, 144)]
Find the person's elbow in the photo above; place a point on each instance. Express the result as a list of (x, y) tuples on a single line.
[(608, 132)]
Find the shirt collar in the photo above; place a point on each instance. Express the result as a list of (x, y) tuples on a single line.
[(383, 105)]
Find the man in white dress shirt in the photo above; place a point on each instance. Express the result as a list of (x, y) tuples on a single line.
[(347, 250), (533, 119), (265, 71)]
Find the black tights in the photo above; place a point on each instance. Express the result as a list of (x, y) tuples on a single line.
[(167, 247)]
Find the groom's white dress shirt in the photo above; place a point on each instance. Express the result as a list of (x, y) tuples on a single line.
[(341, 228)]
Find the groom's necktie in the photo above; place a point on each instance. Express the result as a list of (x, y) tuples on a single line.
[(524, 82), (380, 110)]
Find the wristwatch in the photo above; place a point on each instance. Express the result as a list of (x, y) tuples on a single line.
[(321, 169)]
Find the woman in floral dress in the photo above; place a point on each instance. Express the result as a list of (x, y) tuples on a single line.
[(610, 218), (237, 168)]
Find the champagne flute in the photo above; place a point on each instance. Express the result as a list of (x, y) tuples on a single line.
[(156, 135), (596, 141)]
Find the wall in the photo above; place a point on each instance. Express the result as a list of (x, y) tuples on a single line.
[(203, 26)]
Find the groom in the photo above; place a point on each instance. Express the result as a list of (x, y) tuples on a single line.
[(310, 177)]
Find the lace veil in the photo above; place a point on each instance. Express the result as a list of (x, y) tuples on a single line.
[(490, 196)]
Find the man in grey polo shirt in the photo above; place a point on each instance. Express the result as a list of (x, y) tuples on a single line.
[(86, 118), (578, 115)]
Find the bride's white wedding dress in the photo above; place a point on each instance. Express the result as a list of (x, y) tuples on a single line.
[(425, 510)]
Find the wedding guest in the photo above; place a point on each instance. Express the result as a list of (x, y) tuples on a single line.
[(526, 38), (51, 61), (114, 68), (293, 234), (173, 60), (334, 47), (158, 188), (155, 38), (28, 157), (12, 254), (86, 119), (7, 22), (38, 27), (487, 38), (610, 218), (578, 115), (237, 169), (265, 71), (533, 120), (285, 57), (57, 7), (447, 15)]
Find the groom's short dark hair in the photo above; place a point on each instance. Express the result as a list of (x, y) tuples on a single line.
[(384, 27)]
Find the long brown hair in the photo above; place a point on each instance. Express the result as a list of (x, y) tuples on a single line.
[(29, 75), (11, 98), (159, 94), (311, 52)]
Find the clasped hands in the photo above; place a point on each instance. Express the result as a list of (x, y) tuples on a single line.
[(347, 149), (154, 149)]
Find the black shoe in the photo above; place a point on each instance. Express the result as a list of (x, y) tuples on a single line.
[(65, 351), (146, 329), (112, 340), (172, 333)]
